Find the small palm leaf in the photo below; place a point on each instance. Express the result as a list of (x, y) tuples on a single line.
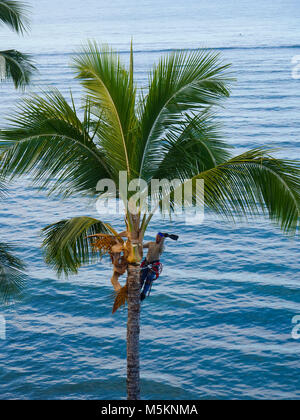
[(67, 246), (12, 276), (13, 13), (16, 66)]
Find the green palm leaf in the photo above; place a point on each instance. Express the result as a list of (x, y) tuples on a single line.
[(47, 138), (13, 13), (193, 146), (2, 188), (112, 92), (66, 244), (12, 277), (16, 66), (251, 184), (180, 83)]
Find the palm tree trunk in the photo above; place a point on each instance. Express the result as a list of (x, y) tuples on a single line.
[(133, 333)]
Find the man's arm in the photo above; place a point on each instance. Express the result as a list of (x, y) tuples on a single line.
[(161, 245), (146, 245)]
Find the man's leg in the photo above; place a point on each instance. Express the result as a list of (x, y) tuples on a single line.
[(150, 277), (144, 273)]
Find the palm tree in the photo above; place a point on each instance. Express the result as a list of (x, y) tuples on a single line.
[(169, 132), (18, 67), (15, 65), (12, 276)]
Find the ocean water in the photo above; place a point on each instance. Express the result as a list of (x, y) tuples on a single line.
[(218, 322)]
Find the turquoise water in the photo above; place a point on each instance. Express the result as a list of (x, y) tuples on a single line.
[(219, 320)]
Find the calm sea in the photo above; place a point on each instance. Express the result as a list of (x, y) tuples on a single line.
[(219, 320)]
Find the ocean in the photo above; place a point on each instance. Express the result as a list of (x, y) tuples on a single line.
[(218, 323)]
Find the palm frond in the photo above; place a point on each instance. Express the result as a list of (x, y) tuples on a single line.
[(14, 14), (3, 189), (251, 184), (12, 276), (180, 83), (16, 66), (111, 89), (121, 297), (192, 147), (67, 246), (47, 138)]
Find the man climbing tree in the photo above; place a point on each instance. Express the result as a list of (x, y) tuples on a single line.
[(151, 266)]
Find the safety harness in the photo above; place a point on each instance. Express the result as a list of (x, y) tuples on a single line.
[(155, 266)]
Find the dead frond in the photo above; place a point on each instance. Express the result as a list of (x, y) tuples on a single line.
[(121, 298), (105, 243)]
